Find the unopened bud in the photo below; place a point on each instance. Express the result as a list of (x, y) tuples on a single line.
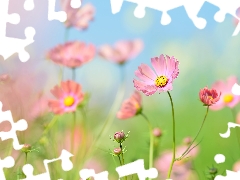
[(157, 132), (119, 136), (213, 170), (26, 148), (117, 151), (187, 140)]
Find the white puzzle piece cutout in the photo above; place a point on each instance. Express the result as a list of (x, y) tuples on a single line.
[(7, 162), (8, 45), (20, 125), (66, 166), (137, 167), (192, 9)]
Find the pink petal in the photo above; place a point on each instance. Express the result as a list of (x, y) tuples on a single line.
[(163, 65), (157, 66), (143, 77), (147, 71)]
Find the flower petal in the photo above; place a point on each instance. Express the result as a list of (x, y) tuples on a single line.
[(147, 71)]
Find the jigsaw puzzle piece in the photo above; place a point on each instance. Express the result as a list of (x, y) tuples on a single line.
[(116, 6), (9, 46), (28, 171), (226, 7), (21, 125), (65, 158), (53, 15), (137, 167), (66, 166), (192, 9), (8, 162)]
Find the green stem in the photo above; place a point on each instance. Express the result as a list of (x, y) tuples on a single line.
[(73, 73), (174, 143), (236, 131), (26, 158), (186, 152), (122, 158), (151, 142), (73, 130)]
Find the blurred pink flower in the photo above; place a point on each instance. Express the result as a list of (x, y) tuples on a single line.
[(122, 51), (209, 96), (68, 95), (4, 77), (39, 108), (72, 54), (181, 169), (130, 107), (78, 18), (227, 98), (236, 166), (166, 71), (19, 93)]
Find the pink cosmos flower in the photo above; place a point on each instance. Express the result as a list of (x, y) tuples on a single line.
[(122, 51), (166, 70), (72, 54), (209, 96), (228, 98), (78, 18), (69, 95), (130, 107), (181, 169)]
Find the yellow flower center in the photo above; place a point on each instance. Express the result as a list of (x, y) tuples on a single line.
[(68, 101), (228, 98), (161, 81), (210, 97)]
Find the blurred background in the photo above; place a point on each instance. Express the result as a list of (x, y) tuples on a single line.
[(205, 56)]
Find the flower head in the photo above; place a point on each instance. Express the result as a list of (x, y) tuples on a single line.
[(227, 98), (117, 151), (69, 95), (166, 70), (26, 148), (78, 18), (130, 107), (119, 136), (72, 54), (157, 132), (209, 96), (122, 51)]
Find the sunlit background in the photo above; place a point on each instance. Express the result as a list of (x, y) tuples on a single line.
[(205, 56)]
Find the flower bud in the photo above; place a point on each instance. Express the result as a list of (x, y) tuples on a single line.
[(213, 170), (187, 140), (119, 136), (26, 148), (117, 151), (157, 132)]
